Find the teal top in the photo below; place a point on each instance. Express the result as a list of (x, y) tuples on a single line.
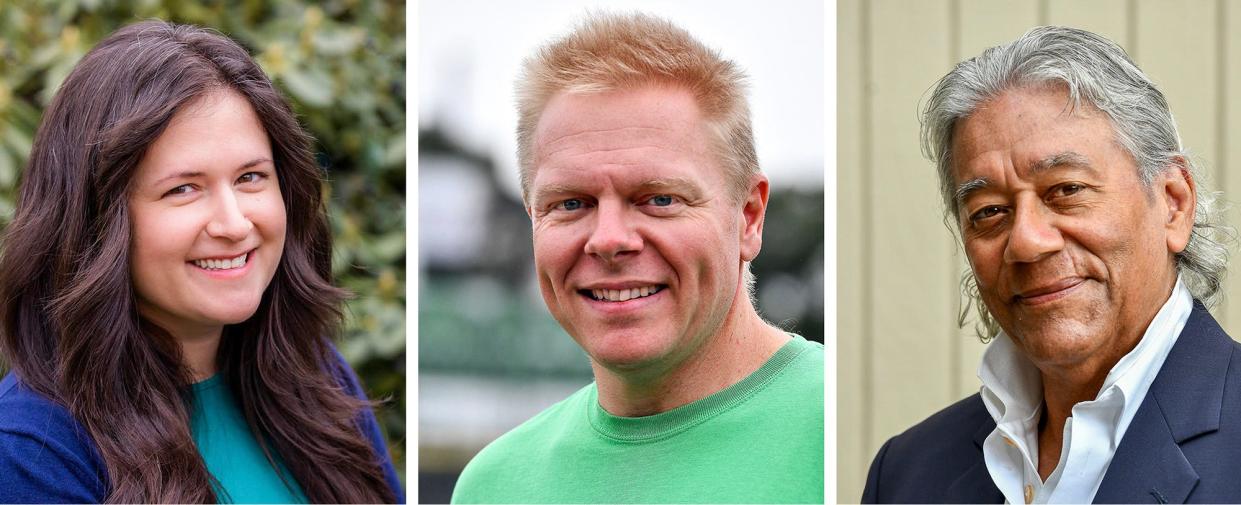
[(232, 454)]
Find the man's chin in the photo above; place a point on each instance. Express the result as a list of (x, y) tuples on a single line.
[(1059, 343), (626, 354), (624, 360)]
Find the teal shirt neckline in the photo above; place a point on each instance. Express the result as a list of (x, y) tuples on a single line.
[(232, 454)]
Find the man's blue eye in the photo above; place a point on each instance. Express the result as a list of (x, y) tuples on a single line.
[(661, 200), (571, 204)]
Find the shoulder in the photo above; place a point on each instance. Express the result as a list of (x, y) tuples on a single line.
[(344, 374), (45, 454), (948, 430), (524, 441), (806, 366), (931, 454), (791, 382), (809, 352), (498, 465), (367, 421)]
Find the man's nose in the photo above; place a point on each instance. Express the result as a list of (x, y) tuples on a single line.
[(228, 218), (1033, 236), (613, 236)]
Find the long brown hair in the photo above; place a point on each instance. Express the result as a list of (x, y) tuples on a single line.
[(71, 329)]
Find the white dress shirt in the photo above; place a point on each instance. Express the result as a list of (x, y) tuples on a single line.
[(1012, 390)]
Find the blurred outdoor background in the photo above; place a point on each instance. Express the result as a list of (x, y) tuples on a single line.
[(490, 354), (902, 356), (341, 64)]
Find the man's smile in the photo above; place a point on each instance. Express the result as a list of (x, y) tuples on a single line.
[(621, 295), (1050, 292)]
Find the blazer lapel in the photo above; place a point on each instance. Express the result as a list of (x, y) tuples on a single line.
[(975, 485), (1184, 402), (1148, 467)]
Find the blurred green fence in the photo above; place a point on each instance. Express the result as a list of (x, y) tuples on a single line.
[(341, 63)]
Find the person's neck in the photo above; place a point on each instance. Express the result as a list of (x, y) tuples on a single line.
[(200, 356), (1066, 385), (739, 347), (199, 343), (199, 348)]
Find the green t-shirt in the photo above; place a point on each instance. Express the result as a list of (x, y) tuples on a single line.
[(758, 441), (231, 452)]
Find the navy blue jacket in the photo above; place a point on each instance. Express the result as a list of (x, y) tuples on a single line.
[(1183, 445), (46, 456)]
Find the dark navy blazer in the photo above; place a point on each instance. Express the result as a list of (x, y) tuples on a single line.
[(1183, 445)]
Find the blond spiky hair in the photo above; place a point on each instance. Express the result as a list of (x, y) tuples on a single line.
[(609, 52)]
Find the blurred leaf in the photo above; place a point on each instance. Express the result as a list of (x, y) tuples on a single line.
[(8, 169), (6, 92), (17, 139), (56, 75), (338, 42), (312, 87), (274, 60), (388, 248), (395, 154)]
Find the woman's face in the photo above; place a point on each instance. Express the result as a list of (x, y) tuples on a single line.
[(207, 218)]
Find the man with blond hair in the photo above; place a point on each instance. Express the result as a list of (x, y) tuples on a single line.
[(639, 175)]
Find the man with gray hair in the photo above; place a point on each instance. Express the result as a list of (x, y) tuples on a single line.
[(1092, 257), (640, 178)]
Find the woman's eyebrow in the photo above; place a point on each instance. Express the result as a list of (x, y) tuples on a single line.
[(179, 175), (256, 161), (188, 174)]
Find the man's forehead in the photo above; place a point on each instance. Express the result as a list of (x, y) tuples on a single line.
[(612, 140), (658, 114), (1033, 128)]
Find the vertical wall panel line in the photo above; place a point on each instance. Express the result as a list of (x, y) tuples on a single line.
[(868, 224), (954, 55), (1221, 95), (1223, 307)]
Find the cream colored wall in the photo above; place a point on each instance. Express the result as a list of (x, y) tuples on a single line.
[(901, 356)]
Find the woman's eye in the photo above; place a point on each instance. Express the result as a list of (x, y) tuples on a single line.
[(661, 200), (250, 177), (180, 190)]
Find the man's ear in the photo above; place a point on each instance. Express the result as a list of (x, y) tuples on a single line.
[(753, 211), (1180, 192)]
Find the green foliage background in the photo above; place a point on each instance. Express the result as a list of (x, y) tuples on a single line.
[(342, 65)]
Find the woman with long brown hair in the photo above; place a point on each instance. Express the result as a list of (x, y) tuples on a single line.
[(166, 305)]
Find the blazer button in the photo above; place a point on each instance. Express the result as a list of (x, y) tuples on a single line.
[(1029, 494)]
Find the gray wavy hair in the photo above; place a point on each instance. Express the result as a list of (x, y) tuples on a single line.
[(1098, 71)]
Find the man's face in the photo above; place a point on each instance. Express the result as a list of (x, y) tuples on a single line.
[(1072, 253), (637, 243)]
